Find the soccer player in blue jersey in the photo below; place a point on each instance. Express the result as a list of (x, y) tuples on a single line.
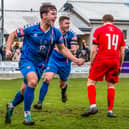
[(58, 64), (39, 41)]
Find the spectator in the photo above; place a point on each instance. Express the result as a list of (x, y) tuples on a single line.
[(85, 45), (17, 55), (126, 58), (2, 53), (78, 51), (85, 49)]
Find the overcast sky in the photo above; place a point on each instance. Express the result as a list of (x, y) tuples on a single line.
[(35, 4), (26, 4), (22, 4)]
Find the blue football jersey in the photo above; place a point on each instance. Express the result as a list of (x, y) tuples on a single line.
[(37, 44), (68, 38)]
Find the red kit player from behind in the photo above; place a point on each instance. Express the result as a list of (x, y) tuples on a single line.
[(109, 41)]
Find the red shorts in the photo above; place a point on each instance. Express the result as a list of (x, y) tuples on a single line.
[(108, 68)]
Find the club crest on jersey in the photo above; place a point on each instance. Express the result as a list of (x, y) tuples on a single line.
[(111, 28)]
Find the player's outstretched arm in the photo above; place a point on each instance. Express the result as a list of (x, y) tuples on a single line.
[(65, 51), (9, 44), (122, 55)]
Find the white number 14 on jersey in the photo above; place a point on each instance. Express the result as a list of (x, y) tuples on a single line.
[(113, 42)]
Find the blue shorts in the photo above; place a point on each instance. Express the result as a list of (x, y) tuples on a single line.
[(63, 69), (27, 66)]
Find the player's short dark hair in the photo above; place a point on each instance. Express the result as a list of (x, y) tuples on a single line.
[(108, 18), (46, 7), (62, 18)]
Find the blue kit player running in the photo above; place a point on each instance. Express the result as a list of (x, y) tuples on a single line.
[(58, 64), (39, 41)]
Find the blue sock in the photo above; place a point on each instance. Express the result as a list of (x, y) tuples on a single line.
[(18, 99), (28, 98), (65, 88), (43, 92)]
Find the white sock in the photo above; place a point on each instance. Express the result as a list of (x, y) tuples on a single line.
[(26, 113), (93, 105), (110, 111), (11, 105)]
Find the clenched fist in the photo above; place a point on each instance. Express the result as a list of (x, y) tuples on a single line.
[(80, 61), (8, 54)]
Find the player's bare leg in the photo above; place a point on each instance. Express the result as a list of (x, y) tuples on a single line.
[(92, 99), (43, 89), (63, 86), (110, 98), (16, 101)]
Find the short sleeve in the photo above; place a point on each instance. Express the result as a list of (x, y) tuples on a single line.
[(96, 37), (59, 37), (22, 31), (122, 40), (73, 38)]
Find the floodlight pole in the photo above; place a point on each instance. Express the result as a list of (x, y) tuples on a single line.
[(2, 23)]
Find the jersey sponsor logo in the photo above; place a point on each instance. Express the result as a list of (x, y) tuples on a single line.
[(42, 48)]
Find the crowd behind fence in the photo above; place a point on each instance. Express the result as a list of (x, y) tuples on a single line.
[(80, 51), (17, 47)]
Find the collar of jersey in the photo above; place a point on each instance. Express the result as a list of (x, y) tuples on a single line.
[(44, 30)]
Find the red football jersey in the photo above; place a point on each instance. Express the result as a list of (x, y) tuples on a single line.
[(109, 39)]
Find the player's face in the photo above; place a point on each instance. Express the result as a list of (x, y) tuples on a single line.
[(65, 25), (51, 17), (73, 47)]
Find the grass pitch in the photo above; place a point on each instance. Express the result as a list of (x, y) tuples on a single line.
[(58, 115)]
